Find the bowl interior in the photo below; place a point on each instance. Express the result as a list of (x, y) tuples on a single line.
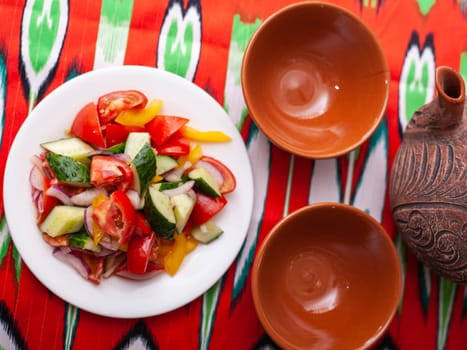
[(326, 277), (315, 80)]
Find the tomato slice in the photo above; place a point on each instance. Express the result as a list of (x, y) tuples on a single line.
[(87, 127), (163, 127), (230, 183), (109, 105), (176, 146), (116, 216), (48, 202), (206, 207), (138, 253), (108, 170)]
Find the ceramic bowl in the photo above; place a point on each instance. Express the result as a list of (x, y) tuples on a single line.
[(315, 80), (326, 276)]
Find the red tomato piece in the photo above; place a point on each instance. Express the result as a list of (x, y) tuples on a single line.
[(230, 182), (176, 146), (115, 134), (163, 127), (138, 253), (206, 207), (134, 128), (48, 202), (108, 170), (116, 216), (142, 227), (109, 105), (87, 127)]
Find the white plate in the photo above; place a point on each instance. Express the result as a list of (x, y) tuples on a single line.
[(118, 297)]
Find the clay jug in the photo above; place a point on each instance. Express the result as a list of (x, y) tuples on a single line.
[(428, 184)]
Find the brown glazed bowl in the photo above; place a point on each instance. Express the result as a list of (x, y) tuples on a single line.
[(327, 276), (315, 80)]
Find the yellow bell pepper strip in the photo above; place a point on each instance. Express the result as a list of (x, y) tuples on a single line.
[(98, 233), (195, 154), (157, 179), (174, 258), (165, 246), (140, 117), (204, 136), (191, 244)]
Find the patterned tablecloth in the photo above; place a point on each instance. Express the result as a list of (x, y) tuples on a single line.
[(43, 43)]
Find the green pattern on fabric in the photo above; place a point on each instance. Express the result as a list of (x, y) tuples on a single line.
[(113, 29), (288, 191), (18, 262), (235, 106), (233, 97), (374, 172), (179, 45), (241, 35), (425, 6), (370, 3), (259, 148), (210, 301), (71, 322), (181, 51), (43, 29), (416, 90), (463, 66), (424, 276), (447, 294), (4, 239)]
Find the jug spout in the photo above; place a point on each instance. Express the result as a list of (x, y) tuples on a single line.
[(450, 87)]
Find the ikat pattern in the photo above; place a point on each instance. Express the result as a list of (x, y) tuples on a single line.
[(43, 43)]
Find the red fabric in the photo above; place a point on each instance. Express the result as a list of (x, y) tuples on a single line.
[(36, 319)]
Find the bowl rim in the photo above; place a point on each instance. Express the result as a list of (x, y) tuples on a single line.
[(309, 153), (382, 233)]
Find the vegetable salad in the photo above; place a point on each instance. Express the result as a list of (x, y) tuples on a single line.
[(129, 191)]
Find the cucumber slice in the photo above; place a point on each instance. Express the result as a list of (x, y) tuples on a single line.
[(135, 141), (183, 206), (145, 165), (205, 182), (72, 147), (165, 163), (82, 240), (63, 219), (162, 186), (68, 171), (117, 149), (207, 232), (159, 213)]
